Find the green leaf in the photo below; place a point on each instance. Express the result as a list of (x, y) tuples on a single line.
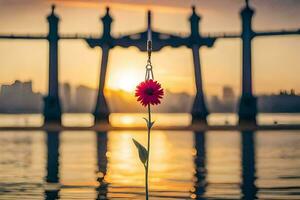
[(149, 124), (143, 153), (147, 121)]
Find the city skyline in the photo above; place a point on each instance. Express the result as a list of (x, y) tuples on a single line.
[(18, 97), (268, 78), (219, 94)]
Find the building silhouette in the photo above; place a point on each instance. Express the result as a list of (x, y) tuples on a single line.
[(19, 97), (282, 103), (228, 94), (84, 99), (65, 94)]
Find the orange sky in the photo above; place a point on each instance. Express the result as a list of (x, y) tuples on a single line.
[(276, 61)]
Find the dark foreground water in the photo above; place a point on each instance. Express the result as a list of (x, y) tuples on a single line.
[(184, 165)]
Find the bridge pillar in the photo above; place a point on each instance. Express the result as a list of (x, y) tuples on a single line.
[(52, 108), (101, 112), (199, 110), (247, 106)]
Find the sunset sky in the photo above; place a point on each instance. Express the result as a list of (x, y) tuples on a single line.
[(276, 60)]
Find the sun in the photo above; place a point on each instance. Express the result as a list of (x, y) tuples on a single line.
[(127, 77), (126, 81)]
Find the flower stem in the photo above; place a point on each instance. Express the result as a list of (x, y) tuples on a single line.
[(148, 149)]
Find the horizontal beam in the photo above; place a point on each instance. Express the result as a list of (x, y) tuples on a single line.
[(77, 36), (274, 33), (23, 37), (125, 40), (224, 35), (264, 33), (159, 40), (44, 37)]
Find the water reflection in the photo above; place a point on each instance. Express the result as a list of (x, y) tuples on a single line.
[(248, 186), (185, 165), (51, 194), (52, 175), (102, 165), (200, 166)]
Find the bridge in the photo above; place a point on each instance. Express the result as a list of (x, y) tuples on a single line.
[(194, 41)]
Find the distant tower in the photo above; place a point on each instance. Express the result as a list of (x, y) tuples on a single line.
[(199, 110), (101, 112), (52, 108), (247, 106)]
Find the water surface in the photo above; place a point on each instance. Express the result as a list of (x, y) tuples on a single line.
[(184, 165), (136, 119)]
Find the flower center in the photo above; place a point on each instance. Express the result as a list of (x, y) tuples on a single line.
[(149, 91)]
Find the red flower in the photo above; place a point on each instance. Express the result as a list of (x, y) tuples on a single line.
[(149, 92)]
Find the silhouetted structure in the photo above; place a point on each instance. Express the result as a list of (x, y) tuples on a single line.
[(200, 165), (101, 112), (248, 102), (159, 40), (199, 110), (52, 108), (247, 106), (248, 186)]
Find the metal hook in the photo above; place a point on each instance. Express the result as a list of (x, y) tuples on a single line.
[(149, 72)]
